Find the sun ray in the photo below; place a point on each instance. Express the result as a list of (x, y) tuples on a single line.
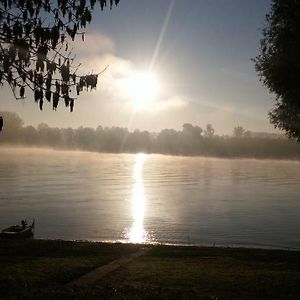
[(162, 34)]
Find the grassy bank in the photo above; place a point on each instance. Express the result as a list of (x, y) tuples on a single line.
[(36, 269)]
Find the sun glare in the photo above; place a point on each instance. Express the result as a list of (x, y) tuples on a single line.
[(137, 233), (142, 88)]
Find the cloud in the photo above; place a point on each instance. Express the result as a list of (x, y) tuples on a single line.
[(94, 44), (96, 53), (172, 103)]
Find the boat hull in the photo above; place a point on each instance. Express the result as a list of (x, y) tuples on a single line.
[(17, 232)]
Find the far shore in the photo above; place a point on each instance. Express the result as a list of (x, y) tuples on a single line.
[(43, 269)]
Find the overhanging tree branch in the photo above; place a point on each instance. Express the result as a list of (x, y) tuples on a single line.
[(34, 48)]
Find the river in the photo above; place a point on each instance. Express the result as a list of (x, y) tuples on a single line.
[(152, 198)]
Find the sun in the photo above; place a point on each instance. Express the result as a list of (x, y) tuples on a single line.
[(142, 88)]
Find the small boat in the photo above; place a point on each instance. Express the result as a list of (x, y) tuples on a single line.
[(18, 231)]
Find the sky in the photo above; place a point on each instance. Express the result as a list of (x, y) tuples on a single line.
[(198, 54)]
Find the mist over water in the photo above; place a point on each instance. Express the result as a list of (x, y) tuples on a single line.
[(151, 198)]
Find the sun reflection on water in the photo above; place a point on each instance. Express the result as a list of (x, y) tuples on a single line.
[(137, 233)]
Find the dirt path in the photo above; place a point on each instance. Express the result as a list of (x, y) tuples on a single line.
[(93, 276)]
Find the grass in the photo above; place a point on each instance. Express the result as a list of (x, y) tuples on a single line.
[(36, 269), (214, 272), (27, 265)]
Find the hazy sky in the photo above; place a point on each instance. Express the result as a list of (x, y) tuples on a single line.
[(198, 51)]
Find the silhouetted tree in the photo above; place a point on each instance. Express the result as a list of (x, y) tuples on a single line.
[(193, 131), (278, 64), (238, 131), (30, 136), (67, 138), (85, 137), (168, 141), (13, 124), (247, 134), (34, 54), (209, 132), (191, 139), (12, 120), (43, 133)]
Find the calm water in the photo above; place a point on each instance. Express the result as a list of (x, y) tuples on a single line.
[(152, 198)]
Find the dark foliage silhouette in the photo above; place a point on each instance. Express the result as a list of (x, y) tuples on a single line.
[(34, 52), (238, 131), (209, 132), (278, 64)]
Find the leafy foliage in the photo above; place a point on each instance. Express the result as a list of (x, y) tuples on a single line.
[(238, 131), (34, 53), (278, 64)]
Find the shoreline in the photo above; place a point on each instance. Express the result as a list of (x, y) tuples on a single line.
[(204, 245)]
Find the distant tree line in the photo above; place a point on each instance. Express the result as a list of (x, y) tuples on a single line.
[(191, 140)]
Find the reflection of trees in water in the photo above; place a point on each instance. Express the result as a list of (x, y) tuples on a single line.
[(191, 140)]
